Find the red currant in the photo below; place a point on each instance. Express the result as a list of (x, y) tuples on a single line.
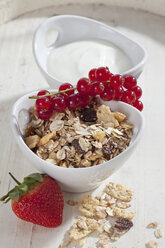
[(44, 114), (116, 81), (83, 86), (43, 103), (125, 98), (96, 89), (92, 75), (102, 74), (84, 100), (44, 92), (138, 104), (66, 86), (58, 103), (119, 93), (108, 94), (131, 95), (73, 102), (138, 91), (129, 82)]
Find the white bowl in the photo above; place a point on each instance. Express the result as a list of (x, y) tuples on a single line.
[(76, 179), (74, 28)]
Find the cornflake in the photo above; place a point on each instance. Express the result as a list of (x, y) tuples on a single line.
[(80, 138)]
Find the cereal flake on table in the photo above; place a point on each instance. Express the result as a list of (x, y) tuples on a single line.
[(81, 138), (98, 216)]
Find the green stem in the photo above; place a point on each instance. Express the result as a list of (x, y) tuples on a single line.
[(52, 94), (14, 178)]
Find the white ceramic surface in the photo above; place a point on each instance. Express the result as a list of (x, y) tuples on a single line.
[(68, 27), (78, 179)]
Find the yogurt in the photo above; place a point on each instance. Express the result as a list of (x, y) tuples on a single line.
[(70, 62)]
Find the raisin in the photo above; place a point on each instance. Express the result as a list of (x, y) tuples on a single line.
[(123, 224), (77, 146), (107, 149), (88, 115)]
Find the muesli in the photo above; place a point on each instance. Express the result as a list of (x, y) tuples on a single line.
[(80, 138)]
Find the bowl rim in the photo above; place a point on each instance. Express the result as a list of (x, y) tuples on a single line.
[(23, 146), (51, 77)]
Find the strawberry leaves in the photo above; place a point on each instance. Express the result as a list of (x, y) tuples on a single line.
[(22, 188)]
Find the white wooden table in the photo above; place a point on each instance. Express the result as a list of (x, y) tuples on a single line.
[(144, 172)]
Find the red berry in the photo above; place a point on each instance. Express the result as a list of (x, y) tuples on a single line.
[(102, 74), (116, 81), (43, 103), (138, 91), (73, 101), (44, 92), (125, 99), (58, 103), (83, 86), (131, 95), (129, 82), (83, 100), (40, 202), (92, 75), (96, 89), (119, 93), (138, 104), (108, 94), (44, 114), (66, 86)]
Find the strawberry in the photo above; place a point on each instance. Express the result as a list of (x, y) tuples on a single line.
[(38, 200)]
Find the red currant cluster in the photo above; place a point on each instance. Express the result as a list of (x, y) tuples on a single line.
[(100, 82)]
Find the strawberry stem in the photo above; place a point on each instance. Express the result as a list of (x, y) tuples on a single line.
[(52, 94), (14, 178)]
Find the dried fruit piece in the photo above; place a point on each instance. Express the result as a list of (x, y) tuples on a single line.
[(119, 116), (107, 149), (77, 146), (123, 224), (88, 115)]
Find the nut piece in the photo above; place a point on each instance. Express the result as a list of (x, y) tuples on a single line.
[(158, 233), (151, 244), (152, 225), (119, 116), (47, 137), (32, 141)]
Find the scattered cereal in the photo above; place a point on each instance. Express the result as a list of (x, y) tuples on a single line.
[(151, 244), (101, 215), (152, 225), (158, 233)]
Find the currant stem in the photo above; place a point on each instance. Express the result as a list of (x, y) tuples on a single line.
[(52, 94), (14, 178)]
